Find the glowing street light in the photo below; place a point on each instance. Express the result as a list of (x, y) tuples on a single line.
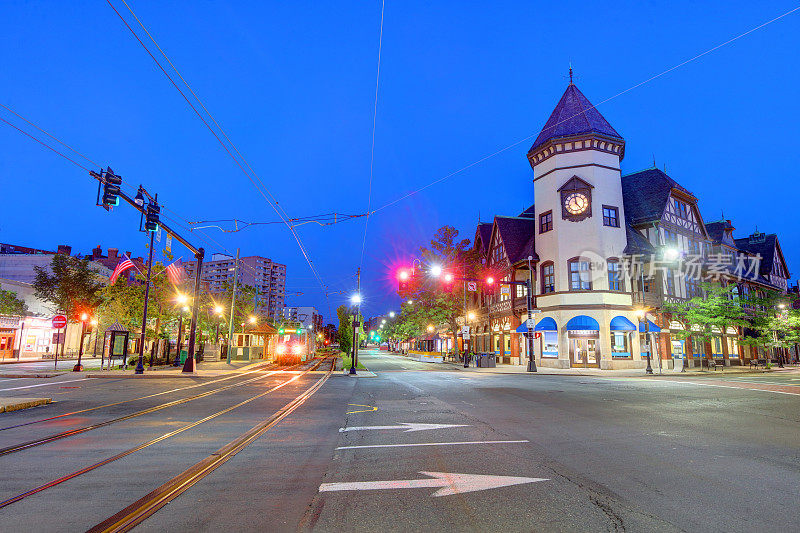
[(355, 299), (181, 298), (671, 254), (435, 270), (471, 316), (383, 321), (410, 302), (391, 314), (252, 320), (430, 328), (218, 309)]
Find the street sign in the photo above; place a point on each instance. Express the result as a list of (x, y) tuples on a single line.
[(472, 286), (59, 321), (530, 323), (505, 290)]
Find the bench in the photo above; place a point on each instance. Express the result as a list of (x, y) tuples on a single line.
[(716, 363), (758, 362)]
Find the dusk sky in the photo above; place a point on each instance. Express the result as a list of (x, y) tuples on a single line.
[(293, 85)]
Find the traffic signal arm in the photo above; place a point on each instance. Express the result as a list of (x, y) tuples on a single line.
[(143, 210)]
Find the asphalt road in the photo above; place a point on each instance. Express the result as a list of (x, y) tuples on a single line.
[(712, 453)]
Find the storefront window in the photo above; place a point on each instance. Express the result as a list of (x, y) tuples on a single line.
[(549, 344), (698, 347), (733, 347), (716, 344), (619, 344)]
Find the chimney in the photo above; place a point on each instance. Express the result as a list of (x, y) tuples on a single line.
[(112, 253), (97, 252), (64, 249)]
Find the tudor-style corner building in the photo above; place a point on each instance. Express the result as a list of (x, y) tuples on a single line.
[(604, 250)]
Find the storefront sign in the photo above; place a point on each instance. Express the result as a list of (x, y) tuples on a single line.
[(586, 333)]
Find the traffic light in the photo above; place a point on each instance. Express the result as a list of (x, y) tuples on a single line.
[(111, 186), (280, 331), (403, 278), (151, 223)]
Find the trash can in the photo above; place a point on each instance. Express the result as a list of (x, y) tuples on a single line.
[(184, 355), (482, 360), (491, 361)]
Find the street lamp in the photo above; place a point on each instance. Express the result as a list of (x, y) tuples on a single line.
[(435, 270), (391, 314), (641, 314), (78, 366), (355, 299), (471, 316), (410, 302), (430, 328)]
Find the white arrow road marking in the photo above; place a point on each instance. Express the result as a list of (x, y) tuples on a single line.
[(431, 444), (408, 426), (449, 483)]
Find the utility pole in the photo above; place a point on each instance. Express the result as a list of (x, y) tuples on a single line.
[(139, 364), (233, 305), (356, 314), (189, 366), (531, 355)]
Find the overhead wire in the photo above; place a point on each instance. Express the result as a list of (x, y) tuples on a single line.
[(372, 148), (267, 195), (667, 71)]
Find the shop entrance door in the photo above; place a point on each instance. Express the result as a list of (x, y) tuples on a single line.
[(583, 353)]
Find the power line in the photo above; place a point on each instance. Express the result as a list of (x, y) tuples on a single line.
[(44, 144), (481, 160), (272, 202), (372, 149)]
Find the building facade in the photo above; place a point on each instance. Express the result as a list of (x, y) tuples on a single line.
[(266, 276), (605, 252)]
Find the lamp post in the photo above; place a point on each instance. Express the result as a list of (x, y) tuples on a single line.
[(94, 327), (78, 366), (356, 301), (528, 332), (642, 315), (181, 299)]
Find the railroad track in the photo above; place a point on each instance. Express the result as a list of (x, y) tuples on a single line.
[(121, 521), (71, 433)]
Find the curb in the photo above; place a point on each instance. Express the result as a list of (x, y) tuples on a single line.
[(15, 404)]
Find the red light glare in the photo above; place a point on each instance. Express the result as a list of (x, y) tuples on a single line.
[(403, 275), (448, 277), (489, 280)]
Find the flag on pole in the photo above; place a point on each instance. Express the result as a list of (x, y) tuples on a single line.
[(123, 265), (176, 273)]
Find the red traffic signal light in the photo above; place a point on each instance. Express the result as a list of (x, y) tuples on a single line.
[(490, 280), (403, 275), (448, 277)]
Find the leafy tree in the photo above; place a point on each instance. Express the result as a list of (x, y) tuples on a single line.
[(772, 320), (69, 285), (436, 302), (245, 303), (716, 309), (11, 305), (345, 328)]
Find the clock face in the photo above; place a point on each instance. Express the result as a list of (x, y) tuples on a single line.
[(576, 203)]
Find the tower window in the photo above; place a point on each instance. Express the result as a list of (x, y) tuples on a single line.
[(610, 216), (546, 222), (614, 275), (548, 277), (579, 275)]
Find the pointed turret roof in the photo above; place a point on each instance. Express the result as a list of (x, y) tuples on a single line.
[(574, 115)]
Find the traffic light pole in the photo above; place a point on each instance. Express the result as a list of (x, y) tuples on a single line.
[(199, 254), (140, 363)]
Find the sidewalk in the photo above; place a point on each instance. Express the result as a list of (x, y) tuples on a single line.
[(209, 369), (633, 372)]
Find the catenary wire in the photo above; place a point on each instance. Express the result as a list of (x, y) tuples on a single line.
[(372, 148), (273, 203)]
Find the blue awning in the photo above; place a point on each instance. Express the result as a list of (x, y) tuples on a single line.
[(652, 325), (583, 322), (522, 328), (546, 324), (620, 323)]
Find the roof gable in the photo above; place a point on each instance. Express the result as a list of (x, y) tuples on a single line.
[(573, 115), (645, 195), (575, 184), (517, 235)]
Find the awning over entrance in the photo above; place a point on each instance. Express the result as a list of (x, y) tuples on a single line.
[(583, 323), (546, 324), (620, 323), (652, 326)]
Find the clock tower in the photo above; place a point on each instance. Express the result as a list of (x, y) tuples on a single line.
[(580, 220)]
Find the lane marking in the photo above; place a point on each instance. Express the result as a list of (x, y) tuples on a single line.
[(44, 384), (371, 408), (431, 444), (407, 426), (447, 483), (733, 387)]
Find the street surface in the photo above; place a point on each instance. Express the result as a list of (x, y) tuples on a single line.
[(418, 447)]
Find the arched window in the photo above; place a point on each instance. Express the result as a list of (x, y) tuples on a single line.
[(548, 277), (616, 281), (580, 278)]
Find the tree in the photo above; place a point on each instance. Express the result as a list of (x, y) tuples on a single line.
[(772, 320), (69, 285), (245, 303), (345, 329), (437, 302), (11, 305)]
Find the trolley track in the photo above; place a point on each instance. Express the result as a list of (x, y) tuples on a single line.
[(162, 393), (283, 412), (70, 433), (143, 508)]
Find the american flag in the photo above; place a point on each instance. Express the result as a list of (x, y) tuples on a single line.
[(176, 273), (123, 265)]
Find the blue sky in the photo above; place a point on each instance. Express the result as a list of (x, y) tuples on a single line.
[(293, 85)]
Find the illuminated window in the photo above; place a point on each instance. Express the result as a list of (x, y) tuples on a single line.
[(614, 275)]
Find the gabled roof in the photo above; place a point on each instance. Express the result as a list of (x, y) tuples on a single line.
[(645, 195), (573, 115), (529, 213), (517, 234), (484, 231), (763, 245), (716, 230)]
